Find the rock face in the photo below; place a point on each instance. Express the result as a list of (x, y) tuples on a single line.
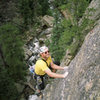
[(83, 81)]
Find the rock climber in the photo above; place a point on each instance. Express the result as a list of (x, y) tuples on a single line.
[(42, 67)]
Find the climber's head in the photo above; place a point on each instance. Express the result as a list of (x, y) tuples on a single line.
[(44, 52)]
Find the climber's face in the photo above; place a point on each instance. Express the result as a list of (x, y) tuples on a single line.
[(45, 54)]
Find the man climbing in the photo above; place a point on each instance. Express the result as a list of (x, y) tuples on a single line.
[(42, 67)]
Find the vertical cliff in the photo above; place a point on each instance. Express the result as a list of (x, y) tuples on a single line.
[(83, 81)]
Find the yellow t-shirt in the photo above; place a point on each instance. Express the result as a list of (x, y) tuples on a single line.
[(41, 66)]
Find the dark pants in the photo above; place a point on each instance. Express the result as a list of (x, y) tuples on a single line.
[(40, 80)]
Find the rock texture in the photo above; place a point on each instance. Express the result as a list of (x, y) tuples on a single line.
[(48, 20), (83, 81)]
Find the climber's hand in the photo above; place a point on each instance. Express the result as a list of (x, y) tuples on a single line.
[(65, 74), (65, 68)]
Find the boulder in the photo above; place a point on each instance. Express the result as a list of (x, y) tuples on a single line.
[(47, 31), (48, 20), (27, 52)]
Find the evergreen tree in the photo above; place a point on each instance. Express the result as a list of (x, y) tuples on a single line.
[(12, 65), (30, 10), (44, 7), (12, 51), (57, 30), (77, 7), (27, 9), (8, 89)]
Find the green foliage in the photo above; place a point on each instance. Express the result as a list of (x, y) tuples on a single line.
[(54, 46), (12, 51), (63, 7), (7, 88), (44, 6), (74, 47), (30, 10), (77, 7), (47, 42), (14, 70), (68, 35), (58, 3)]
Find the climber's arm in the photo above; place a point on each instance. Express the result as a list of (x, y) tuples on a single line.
[(51, 74)]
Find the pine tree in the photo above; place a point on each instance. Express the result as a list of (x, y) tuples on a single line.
[(57, 30), (44, 7), (11, 45), (12, 64), (30, 10)]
